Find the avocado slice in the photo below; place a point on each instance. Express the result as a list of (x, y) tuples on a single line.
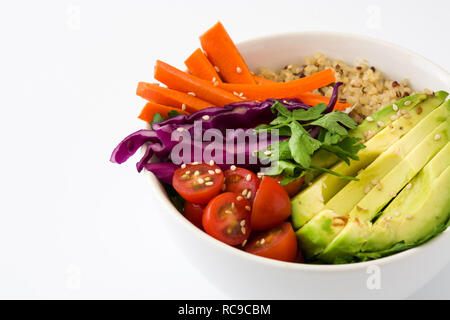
[(349, 197), (312, 199), (418, 210), (352, 237)]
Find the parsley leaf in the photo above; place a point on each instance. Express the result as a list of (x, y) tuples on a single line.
[(302, 145), (332, 122), (309, 114)]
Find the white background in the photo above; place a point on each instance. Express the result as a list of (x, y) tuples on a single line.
[(73, 225)]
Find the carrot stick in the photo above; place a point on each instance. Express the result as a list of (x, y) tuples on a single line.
[(280, 90), (182, 81), (151, 108), (223, 54), (313, 99), (165, 96), (262, 80), (199, 66)]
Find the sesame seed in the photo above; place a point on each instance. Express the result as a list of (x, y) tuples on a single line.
[(244, 242), (209, 183), (248, 208), (407, 103), (248, 177), (208, 179), (407, 115), (244, 192), (191, 94), (392, 130), (390, 125), (211, 162), (242, 223), (397, 213), (239, 198), (183, 166), (249, 194), (243, 230), (380, 123), (216, 84), (437, 137), (183, 107), (262, 241), (241, 94), (370, 119), (236, 94), (409, 216), (409, 186), (205, 117), (228, 211), (267, 152), (180, 129), (388, 218), (361, 208), (233, 167), (217, 68), (196, 173), (379, 186), (194, 163), (214, 79), (200, 181), (233, 205), (367, 190), (374, 182), (211, 171), (394, 117), (403, 111), (217, 171), (238, 70), (395, 107)]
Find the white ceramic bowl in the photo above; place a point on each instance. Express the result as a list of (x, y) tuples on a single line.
[(244, 276)]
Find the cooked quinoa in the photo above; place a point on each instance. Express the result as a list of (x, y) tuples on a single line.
[(365, 87)]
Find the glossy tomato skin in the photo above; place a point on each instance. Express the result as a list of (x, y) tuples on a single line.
[(227, 218), (271, 206), (194, 213), (242, 181), (292, 188), (279, 243), (198, 183)]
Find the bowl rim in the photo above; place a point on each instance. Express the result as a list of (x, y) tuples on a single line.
[(318, 268)]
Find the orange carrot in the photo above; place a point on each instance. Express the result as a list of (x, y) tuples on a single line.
[(182, 81), (280, 90), (154, 93), (151, 108), (199, 66), (261, 80), (224, 55)]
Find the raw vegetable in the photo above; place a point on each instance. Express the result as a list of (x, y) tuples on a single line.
[(281, 90), (184, 82), (165, 96), (196, 184), (278, 243), (227, 218), (194, 213), (199, 66), (224, 55), (242, 181), (293, 187), (267, 213), (151, 109)]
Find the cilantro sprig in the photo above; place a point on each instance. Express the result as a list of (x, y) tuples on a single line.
[(292, 158)]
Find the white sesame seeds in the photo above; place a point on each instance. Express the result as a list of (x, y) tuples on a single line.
[(248, 177), (361, 208), (183, 107), (233, 167), (374, 182), (211, 162), (267, 152), (407, 103), (236, 94), (370, 119), (437, 137), (409, 186), (205, 117), (394, 117), (209, 183), (380, 123), (214, 79), (409, 216), (395, 107), (191, 93), (367, 190), (216, 83), (238, 70), (244, 242), (183, 166), (228, 211), (211, 172), (262, 241), (248, 208), (239, 198), (249, 194), (200, 181), (194, 163), (188, 172), (242, 223), (403, 112), (379, 186), (217, 171), (233, 205), (244, 192), (388, 218), (180, 129), (243, 230), (196, 173), (208, 179), (217, 68)]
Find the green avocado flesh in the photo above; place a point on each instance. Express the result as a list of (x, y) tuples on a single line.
[(310, 201), (403, 170)]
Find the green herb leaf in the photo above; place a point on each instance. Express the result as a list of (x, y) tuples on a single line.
[(173, 113), (309, 114), (302, 145), (332, 122)]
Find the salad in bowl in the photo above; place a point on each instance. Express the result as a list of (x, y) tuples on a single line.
[(319, 162)]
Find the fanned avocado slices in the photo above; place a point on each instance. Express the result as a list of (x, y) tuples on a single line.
[(312, 200)]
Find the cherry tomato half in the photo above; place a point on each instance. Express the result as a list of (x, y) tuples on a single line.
[(198, 183), (271, 205), (277, 243), (292, 188), (227, 218), (242, 181), (194, 212)]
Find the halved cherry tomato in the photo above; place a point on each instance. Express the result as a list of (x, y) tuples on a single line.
[(227, 218), (194, 212), (277, 243), (242, 181), (271, 205), (198, 183), (292, 188)]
